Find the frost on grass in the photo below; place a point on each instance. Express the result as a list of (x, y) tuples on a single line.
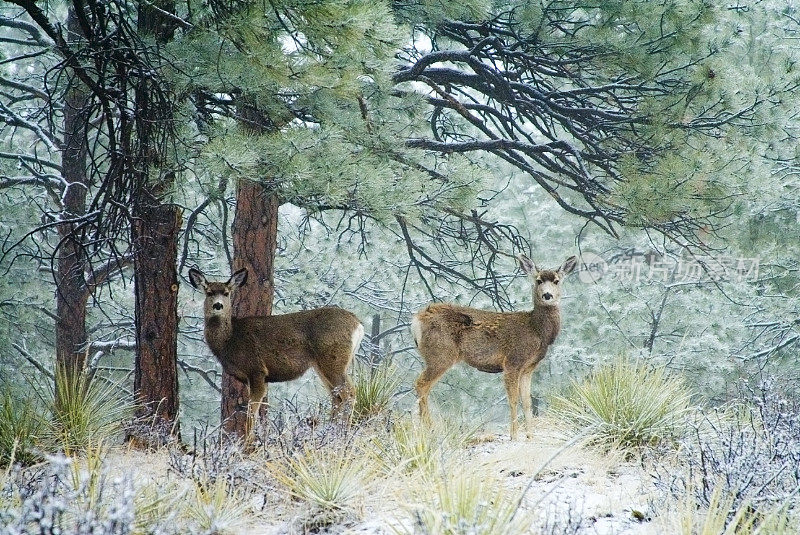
[(330, 483), (747, 455), (60, 497), (469, 503)]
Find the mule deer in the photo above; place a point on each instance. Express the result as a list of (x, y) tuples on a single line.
[(273, 349), (509, 342)]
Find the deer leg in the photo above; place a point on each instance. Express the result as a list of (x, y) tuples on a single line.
[(341, 390), (432, 372), (342, 394), (527, 406), (511, 379), (258, 387)]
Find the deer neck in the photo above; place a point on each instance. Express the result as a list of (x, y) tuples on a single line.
[(218, 331), (546, 320)]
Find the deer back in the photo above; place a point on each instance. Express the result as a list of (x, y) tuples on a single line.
[(481, 338), (284, 346)]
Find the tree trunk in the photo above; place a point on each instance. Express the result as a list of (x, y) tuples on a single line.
[(155, 240), (255, 239), (71, 288), (154, 233), (255, 234), (375, 352)]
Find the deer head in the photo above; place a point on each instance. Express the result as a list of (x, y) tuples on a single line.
[(218, 294), (547, 282)]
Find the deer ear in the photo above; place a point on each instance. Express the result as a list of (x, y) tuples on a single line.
[(197, 278), (238, 278), (569, 265), (527, 265)]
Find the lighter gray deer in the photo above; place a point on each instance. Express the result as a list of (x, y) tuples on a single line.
[(509, 342), (272, 349)]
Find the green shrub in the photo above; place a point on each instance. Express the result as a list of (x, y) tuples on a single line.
[(375, 386), (86, 410), (20, 429), (624, 404)]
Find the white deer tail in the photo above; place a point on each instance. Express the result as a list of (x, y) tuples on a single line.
[(355, 340), (416, 329)]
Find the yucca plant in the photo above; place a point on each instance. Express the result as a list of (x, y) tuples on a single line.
[(410, 446), (157, 507), (375, 386), (469, 503), (216, 507), (20, 429), (86, 410), (624, 404), (333, 483), (87, 477)]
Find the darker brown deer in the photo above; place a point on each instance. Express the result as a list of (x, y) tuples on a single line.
[(273, 349), (509, 342)]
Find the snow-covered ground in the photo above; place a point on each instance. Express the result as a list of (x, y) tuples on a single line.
[(570, 489)]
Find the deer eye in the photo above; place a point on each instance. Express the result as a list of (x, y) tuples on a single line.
[(226, 293), (555, 281), (538, 281)]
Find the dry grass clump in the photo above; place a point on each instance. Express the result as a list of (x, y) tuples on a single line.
[(157, 507), (331, 483), (468, 503), (216, 507), (410, 446), (407, 447), (625, 405), (723, 516)]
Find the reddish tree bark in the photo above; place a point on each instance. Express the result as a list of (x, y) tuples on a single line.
[(155, 241), (255, 235), (154, 234), (255, 238)]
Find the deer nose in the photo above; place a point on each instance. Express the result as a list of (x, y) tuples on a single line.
[(217, 306), (547, 296)]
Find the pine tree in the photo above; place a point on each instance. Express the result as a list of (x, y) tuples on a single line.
[(116, 62), (299, 80), (154, 237)]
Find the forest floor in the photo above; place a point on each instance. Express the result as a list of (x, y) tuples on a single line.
[(561, 489)]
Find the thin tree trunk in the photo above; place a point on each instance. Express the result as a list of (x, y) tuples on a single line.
[(255, 233), (71, 289)]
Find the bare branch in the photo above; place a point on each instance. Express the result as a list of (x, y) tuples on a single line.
[(38, 365)]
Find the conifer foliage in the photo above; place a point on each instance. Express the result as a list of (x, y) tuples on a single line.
[(626, 113)]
